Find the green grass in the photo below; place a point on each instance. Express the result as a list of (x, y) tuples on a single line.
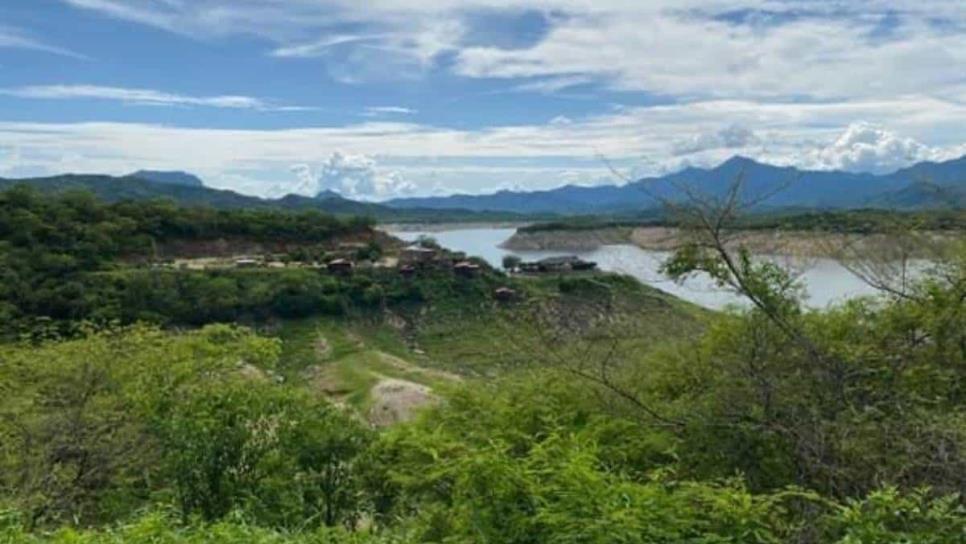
[(464, 334)]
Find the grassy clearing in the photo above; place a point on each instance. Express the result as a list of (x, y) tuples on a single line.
[(464, 337)]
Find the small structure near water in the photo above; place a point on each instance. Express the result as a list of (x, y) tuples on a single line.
[(340, 266), (505, 294), (566, 263), (417, 255), (466, 269)]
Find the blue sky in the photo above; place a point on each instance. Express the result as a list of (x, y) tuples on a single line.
[(401, 97)]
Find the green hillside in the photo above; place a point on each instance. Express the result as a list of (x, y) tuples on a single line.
[(186, 374), (115, 189)]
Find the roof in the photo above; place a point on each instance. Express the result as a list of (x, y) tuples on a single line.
[(419, 248), (466, 264), (561, 260)]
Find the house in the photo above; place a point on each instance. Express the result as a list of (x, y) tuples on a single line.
[(407, 271), (340, 266), (505, 294), (564, 264), (466, 269), (557, 264), (246, 262), (417, 254)]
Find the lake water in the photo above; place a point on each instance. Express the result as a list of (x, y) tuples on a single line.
[(826, 281)]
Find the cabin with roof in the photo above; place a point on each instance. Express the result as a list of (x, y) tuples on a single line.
[(505, 294), (466, 269), (416, 254), (340, 266)]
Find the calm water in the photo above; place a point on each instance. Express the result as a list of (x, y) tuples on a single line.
[(826, 280)]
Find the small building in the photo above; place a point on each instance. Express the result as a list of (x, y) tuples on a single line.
[(340, 266), (246, 262), (466, 269), (505, 294), (564, 264), (417, 254), (407, 271)]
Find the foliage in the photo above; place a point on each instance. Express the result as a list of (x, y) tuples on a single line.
[(95, 427)]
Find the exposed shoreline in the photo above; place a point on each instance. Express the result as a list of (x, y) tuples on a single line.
[(773, 242), (439, 227)]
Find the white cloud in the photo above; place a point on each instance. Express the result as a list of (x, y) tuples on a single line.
[(13, 38), (554, 84), (352, 176), (681, 53), (148, 97), (635, 140), (375, 111), (319, 47), (731, 137), (9, 159), (864, 147), (823, 49)]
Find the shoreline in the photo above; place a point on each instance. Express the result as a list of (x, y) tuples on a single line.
[(764, 242), (439, 227)]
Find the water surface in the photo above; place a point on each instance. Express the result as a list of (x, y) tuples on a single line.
[(826, 281)]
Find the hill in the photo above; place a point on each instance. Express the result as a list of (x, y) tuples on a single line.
[(786, 187), (115, 189), (170, 178)]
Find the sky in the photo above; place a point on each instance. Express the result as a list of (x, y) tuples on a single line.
[(378, 99)]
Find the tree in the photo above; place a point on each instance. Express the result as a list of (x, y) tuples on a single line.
[(511, 262)]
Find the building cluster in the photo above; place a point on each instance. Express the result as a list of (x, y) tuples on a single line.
[(417, 256)]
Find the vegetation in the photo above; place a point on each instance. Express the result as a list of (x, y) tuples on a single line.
[(69, 258), (592, 409), (858, 221), (133, 188)]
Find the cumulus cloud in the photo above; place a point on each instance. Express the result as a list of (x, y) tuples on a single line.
[(352, 176), (465, 160), (865, 147), (731, 137), (149, 97)]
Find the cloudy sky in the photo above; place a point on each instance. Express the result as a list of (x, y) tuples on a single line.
[(384, 98)]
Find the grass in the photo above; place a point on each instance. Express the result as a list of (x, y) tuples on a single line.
[(460, 334), (344, 359)]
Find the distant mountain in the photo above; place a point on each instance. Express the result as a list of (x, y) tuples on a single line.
[(784, 187), (170, 178), (113, 189)]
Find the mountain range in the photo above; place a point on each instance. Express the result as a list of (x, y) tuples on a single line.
[(179, 189), (923, 185)]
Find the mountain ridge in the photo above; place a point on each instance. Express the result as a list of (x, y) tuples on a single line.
[(786, 186), (171, 177)]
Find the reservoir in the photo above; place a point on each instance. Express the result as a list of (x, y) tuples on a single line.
[(826, 280)]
